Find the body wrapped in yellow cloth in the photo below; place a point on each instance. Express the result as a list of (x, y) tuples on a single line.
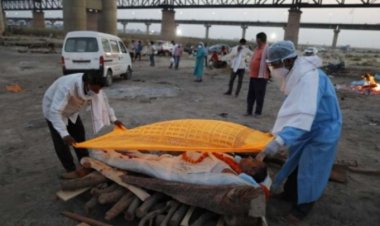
[(183, 135)]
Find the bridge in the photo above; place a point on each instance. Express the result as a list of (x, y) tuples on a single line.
[(101, 14), (161, 4)]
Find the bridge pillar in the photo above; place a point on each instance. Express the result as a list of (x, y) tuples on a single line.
[(74, 15), (335, 39), (147, 27), (244, 30), (92, 19), (207, 26), (293, 26), (124, 26), (38, 19), (168, 26), (2, 20), (108, 17)]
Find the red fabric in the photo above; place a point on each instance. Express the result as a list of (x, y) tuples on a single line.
[(254, 66), (266, 191)]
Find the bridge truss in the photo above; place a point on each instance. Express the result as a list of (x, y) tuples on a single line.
[(150, 4)]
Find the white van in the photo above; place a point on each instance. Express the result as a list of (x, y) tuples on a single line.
[(89, 50)]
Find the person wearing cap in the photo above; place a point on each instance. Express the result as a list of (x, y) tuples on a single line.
[(199, 62), (308, 124), (61, 104), (237, 57)]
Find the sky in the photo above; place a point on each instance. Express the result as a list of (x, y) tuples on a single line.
[(363, 39)]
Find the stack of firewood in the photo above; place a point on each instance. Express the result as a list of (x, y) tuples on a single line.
[(152, 201)]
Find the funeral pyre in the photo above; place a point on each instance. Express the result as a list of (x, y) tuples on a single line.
[(368, 85), (155, 201)]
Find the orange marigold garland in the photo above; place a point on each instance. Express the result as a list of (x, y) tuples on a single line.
[(229, 161), (198, 160)]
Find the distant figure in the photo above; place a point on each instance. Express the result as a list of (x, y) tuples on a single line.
[(138, 50), (206, 55), (131, 47), (199, 64), (176, 53), (223, 51), (237, 58), (152, 52), (172, 60), (259, 75)]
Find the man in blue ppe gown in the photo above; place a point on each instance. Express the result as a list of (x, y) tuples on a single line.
[(308, 123)]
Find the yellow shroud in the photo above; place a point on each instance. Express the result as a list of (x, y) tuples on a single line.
[(183, 135)]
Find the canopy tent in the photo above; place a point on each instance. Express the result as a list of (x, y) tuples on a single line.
[(183, 135)]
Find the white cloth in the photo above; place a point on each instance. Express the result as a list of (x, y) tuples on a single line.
[(238, 60), (64, 99), (102, 113), (172, 168), (301, 90)]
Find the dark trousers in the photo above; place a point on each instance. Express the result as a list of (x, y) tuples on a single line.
[(240, 74), (256, 92), (290, 194), (62, 149), (151, 58)]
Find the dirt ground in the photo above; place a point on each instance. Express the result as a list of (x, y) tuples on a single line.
[(29, 168)]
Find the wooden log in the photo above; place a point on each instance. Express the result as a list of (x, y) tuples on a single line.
[(87, 220), (220, 222), (224, 200), (178, 215), (104, 189), (148, 203), (120, 206), (111, 197), (67, 195), (203, 219), (159, 219), (113, 175), (131, 211), (153, 214), (364, 171), (91, 204), (89, 180), (173, 206), (186, 219)]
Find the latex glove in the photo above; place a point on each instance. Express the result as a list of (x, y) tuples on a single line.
[(69, 140), (272, 148)]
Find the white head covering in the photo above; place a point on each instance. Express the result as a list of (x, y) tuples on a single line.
[(280, 51)]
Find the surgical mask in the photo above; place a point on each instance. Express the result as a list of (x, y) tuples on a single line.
[(199, 46), (279, 75)]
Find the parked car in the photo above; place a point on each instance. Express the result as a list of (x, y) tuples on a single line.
[(89, 50), (164, 48), (219, 48)]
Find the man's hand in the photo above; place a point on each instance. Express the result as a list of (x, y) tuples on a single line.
[(69, 140), (118, 124)]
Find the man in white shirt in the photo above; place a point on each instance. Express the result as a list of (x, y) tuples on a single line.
[(238, 57), (61, 104)]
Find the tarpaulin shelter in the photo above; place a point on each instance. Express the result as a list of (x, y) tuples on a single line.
[(183, 135)]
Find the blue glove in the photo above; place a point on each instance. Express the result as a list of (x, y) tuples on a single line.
[(272, 148)]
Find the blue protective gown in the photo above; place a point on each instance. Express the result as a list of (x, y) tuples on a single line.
[(314, 151), (199, 63)]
